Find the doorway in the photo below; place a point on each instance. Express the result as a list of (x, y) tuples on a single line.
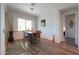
[(69, 26), (69, 29)]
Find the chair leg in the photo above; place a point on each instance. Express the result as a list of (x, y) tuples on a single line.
[(39, 40), (28, 39), (14, 43)]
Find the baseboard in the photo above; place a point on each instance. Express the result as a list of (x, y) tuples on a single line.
[(69, 38), (51, 40)]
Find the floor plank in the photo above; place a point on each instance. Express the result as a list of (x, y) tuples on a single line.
[(45, 47)]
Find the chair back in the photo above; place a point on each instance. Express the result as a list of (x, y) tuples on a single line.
[(38, 34), (18, 35)]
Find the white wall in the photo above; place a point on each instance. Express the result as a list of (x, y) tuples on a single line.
[(15, 15), (51, 14), (78, 26), (15, 23), (53, 22), (2, 29)]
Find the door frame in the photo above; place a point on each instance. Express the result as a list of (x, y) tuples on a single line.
[(61, 23), (2, 29)]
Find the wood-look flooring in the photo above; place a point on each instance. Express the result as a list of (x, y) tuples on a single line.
[(45, 47)]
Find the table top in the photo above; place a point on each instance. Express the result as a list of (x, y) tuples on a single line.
[(29, 32)]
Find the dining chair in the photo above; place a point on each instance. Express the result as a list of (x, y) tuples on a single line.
[(38, 35), (26, 36), (18, 36), (32, 39)]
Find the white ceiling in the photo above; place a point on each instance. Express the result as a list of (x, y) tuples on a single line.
[(38, 6)]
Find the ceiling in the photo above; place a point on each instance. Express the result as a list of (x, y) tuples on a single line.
[(37, 7)]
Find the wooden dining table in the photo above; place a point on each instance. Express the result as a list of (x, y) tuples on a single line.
[(31, 37)]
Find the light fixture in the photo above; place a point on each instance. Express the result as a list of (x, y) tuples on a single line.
[(32, 6)]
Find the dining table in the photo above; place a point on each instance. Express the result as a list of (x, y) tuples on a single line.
[(31, 36)]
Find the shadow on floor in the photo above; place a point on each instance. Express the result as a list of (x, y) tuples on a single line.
[(71, 42)]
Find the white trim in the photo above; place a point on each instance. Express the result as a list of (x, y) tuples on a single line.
[(2, 29), (62, 17)]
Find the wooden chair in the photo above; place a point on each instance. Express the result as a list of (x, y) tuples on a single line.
[(32, 39), (37, 35), (18, 36)]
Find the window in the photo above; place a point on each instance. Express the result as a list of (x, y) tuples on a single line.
[(21, 24), (28, 25), (24, 24)]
